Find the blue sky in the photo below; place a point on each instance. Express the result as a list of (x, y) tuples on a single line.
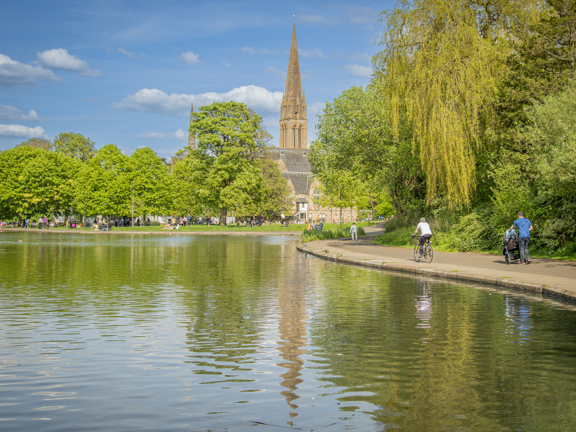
[(125, 72)]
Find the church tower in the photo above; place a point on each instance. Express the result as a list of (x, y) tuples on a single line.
[(293, 119)]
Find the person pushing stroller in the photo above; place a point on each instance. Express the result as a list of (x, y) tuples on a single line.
[(524, 227)]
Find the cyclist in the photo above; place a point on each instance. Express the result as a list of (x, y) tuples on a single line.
[(425, 233)]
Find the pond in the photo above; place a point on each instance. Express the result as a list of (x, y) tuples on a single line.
[(197, 333)]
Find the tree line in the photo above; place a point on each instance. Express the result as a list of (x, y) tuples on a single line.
[(229, 171), (469, 117)]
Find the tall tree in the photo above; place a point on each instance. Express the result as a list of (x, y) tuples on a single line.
[(354, 135), (442, 61), (38, 143), (49, 184), (105, 181), (225, 168), (150, 183), (12, 164), (275, 194), (75, 145)]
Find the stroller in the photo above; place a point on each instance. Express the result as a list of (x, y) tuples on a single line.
[(511, 250)]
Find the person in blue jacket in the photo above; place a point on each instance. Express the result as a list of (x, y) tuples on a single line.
[(524, 227)]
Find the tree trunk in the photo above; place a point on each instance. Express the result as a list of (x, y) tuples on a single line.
[(19, 220), (341, 215), (223, 214)]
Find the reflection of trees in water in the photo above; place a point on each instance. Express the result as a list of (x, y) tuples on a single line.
[(224, 297)]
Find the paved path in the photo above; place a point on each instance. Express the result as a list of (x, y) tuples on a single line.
[(550, 277), (163, 232)]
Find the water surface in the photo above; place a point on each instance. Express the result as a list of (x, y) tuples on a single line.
[(147, 332)]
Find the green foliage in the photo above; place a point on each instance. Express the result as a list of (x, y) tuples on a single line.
[(442, 62), (12, 163), (75, 145), (225, 172), (150, 183), (106, 182), (49, 184), (276, 196), (354, 136), (337, 232)]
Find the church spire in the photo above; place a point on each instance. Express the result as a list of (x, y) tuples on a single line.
[(293, 118)]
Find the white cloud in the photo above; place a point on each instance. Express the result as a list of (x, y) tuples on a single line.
[(129, 53), (14, 72), (365, 57), (60, 59), (226, 64), (8, 112), (261, 51), (318, 19), (316, 108), (308, 54), (275, 71), (190, 58), (22, 131), (179, 135), (153, 100), (358, 70)]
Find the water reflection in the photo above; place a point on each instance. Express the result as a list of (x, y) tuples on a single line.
[(292, 332), (207, 333)]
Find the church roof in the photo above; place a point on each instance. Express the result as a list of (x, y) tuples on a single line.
[(294, 160), (300, 181)]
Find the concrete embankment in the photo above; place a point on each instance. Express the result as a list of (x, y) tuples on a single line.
[(547, 277)]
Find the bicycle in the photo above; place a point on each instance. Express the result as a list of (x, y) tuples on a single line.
[(427, 251)]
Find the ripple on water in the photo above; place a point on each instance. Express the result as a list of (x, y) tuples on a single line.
[(164, 333)]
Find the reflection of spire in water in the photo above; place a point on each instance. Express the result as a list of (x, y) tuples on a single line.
[(424, 304), (292, 329)]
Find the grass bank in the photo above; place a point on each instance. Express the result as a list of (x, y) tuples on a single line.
[(332, 231)]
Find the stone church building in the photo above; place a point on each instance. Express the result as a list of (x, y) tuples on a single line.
[(291, 155)]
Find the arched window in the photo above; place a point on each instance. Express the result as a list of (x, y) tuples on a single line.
[(316, 195)]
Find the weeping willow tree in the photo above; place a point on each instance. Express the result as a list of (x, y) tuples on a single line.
[(442, 62)]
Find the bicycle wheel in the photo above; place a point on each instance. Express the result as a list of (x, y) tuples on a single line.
[(416, 253), (429, 253)]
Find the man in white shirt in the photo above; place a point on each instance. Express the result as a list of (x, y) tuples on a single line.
[(425, 232), (354, 232)]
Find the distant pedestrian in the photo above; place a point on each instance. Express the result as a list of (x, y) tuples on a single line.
[(524, 227), (39, 223), (45, 222), (282, 218), (26, 223), (189, 219), (354, 232)]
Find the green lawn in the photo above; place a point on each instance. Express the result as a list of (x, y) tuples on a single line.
[(216, 228)]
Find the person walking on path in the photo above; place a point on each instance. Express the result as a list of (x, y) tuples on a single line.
[(524, 227), (45, 222), (425, 233), (354, 232), (40, 223)]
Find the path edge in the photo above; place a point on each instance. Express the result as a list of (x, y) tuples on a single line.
[(544, 290)]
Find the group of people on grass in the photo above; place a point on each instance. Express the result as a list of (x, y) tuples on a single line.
[(523, 225)]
